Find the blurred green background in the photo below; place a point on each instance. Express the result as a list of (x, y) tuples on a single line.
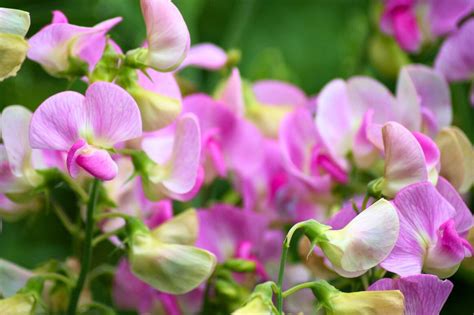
[(307, 42)]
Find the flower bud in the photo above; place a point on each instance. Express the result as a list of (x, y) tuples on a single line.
[(457, 158), (172, 268), (19, 304), (259, 302)]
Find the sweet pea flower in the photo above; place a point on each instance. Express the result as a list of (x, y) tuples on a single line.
[(158, 97), (205, 56), (230, 233), (424, 294), (431, 235), (409, 158), (165, 257), (412, 22), (86, 126), (457, 158), (265, 104), (67, 50), (455, 59), (175, 152), (363, 243), (14, 25), (18, 160), (305, 156), (229, 143), (274, 191), (167, 37)]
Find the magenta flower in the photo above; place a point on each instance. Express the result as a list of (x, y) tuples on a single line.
[(86, 126), (431, 234), (412, 22), (65, 49), (229, 143), (424, 294), (305, 155), (456, 58), (229, 232)]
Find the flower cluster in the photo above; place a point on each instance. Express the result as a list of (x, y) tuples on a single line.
[(205, 196)]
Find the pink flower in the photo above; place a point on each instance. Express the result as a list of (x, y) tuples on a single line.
[(431, 233), (424, 294), (456, 58), (409, 158), (205, 56), (167, 36), (176, 152), (405, 19), (86, 126), (305, 155), (229, 143), (65, 49)]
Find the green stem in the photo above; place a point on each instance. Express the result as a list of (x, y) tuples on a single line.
[(297, 288), (87, 253), (105, 236), (68, 225), (281, 272), (366, 200), (75, 187)]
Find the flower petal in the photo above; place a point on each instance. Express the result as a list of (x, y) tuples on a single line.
[(408, 109), (55, 123), (97, 162), (59, 17), (279, 93), (444, 15), (13, 21), (186, 155), (206, 56), (404, 159), (167, 34), (112, 113), (15, 123), (424, 294), (232, 94)]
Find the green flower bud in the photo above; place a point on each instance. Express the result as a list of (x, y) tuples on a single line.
[(240, 265), (260, 301)]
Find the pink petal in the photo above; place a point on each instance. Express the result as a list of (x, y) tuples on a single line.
[(59, 17), (430, 150), (232, 93), (167, 34), (406, 30), (15, 123), (455, 59), (206, 56), (72, 155), (334, 118), (113, 114), (363, 149), (404, 159), (186, 155), (193, 192), (424, 294), (408, 109), (272, 92), (298, 137), (463, 218), (55, 123), (98, 163), (433, 93), (422, 210), (444, 15), (366, 94)]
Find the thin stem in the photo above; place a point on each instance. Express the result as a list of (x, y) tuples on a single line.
[(105, 236), (281, 272), (297, 288), (68, 225), (111, 215), (366, 200), (87, 253)]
